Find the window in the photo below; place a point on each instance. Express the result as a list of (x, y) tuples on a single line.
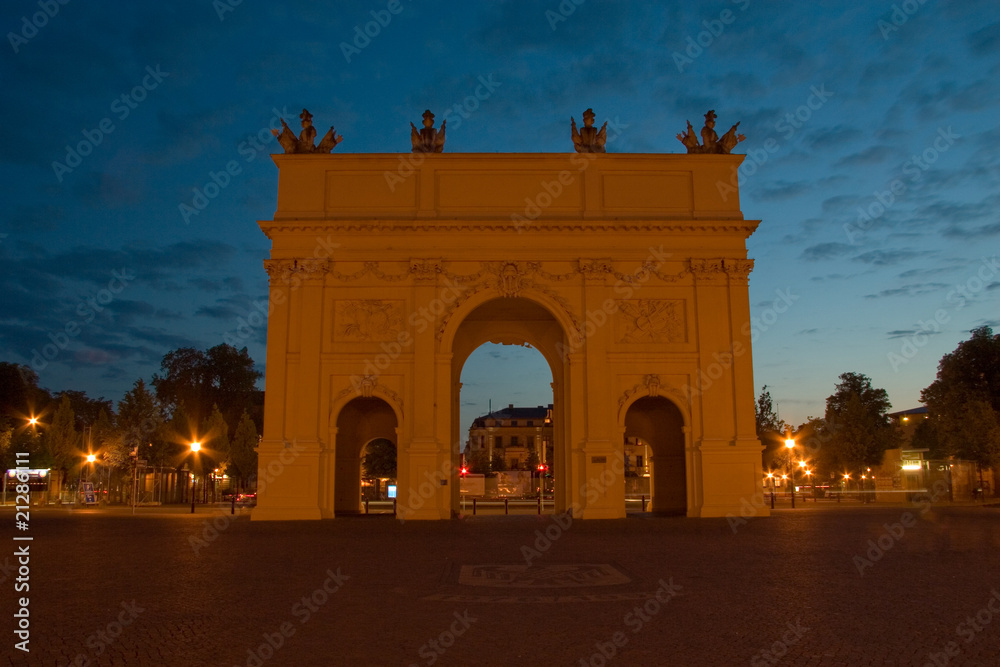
[(514, 463), (638, 461), (531, 423), (513, 422), (530, 441), (513, 441), (498, 442)]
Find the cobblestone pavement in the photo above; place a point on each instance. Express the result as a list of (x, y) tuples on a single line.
[(879, 586)]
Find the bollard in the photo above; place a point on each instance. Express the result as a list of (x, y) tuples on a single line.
[(394, 507), (772, 500), (233, 509), (366, 506), (473, 507), (539, 504), (643, 502), (505, 504)]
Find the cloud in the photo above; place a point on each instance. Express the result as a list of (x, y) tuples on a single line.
[(869, 156), (823, 251), (916, 289), (890, 257)]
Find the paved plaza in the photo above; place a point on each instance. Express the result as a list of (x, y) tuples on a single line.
[(849, 586)]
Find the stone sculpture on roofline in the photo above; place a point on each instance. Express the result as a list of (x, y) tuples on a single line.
[(587, 139), (427, 139), (711, 141), (304, 142)]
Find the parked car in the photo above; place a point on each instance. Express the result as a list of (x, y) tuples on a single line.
[(247, 499)]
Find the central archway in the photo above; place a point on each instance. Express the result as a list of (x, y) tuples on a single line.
[(514, 321)]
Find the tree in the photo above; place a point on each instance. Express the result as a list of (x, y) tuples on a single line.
[(87, 410), (858, 426), (379, 461), (214, 440), (499, 462), (963, 403), (222, 375), (769, 427), (61, 438), (242, 455), (140, 423), (479, 462)]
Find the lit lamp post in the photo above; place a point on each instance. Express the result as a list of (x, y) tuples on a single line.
[(790, 445), (195, 448), (770, 476)]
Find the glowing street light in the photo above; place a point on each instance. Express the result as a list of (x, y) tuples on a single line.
[(33, 421), (195, 448)]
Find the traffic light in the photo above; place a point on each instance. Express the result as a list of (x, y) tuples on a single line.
[(464, 471)]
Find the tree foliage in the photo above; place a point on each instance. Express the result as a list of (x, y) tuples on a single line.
[(242, 461), (769, 427), (858, 427), (380, 459), (61, 438), (963, 403), (140, 424), (222, 376)]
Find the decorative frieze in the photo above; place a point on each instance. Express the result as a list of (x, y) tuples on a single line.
[(650, 321), (367, 320)]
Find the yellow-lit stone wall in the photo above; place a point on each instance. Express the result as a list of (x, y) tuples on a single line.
[(627, 272)]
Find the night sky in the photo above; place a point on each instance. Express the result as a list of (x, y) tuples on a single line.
[(872, 141)]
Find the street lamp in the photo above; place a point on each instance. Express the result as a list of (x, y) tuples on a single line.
[(790, 445), (195, 448)]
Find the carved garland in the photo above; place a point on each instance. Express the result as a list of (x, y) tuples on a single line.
[(367, 386), (652, 386)]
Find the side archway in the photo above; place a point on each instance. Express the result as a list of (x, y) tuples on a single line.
[(659, 423), (360, 421)]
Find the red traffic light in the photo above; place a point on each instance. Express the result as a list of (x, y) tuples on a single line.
[(464, 471)]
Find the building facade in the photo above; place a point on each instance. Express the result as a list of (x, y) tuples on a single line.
[(628, 272)]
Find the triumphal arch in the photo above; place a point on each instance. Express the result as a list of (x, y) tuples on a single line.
[(628, 272)]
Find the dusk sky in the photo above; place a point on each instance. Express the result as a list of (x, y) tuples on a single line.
[(872, 141)]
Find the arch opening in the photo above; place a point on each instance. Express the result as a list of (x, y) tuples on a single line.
[(654, 429), (361, 422), (522, 446)]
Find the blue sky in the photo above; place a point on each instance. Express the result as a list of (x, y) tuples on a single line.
[(882, 107)]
